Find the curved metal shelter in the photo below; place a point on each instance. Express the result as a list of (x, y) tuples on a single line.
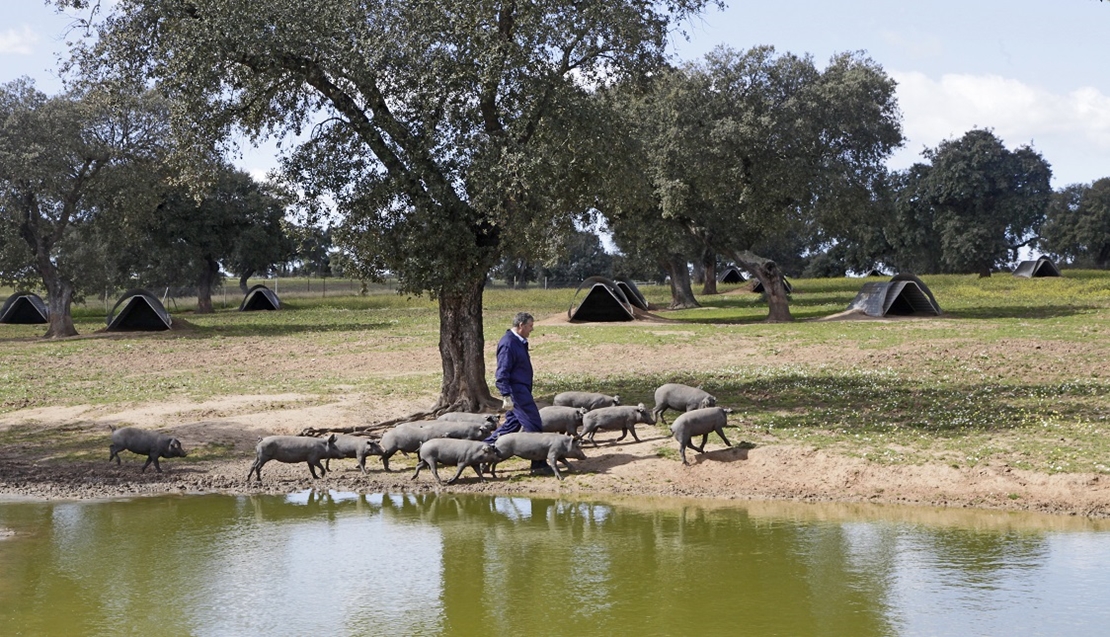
[(631, 292), (757, 285), (24, 308), (260, 297), (1040, 267), (731, 274), (904, 295), (605, 302), (141, 312)]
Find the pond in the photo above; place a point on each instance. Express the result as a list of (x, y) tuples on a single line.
[(335, 563)]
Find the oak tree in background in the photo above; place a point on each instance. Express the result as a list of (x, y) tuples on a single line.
[(443, 132), (912, 243), (987, 201), (233, 223), (756, 148), (65, 163), (804, 147), (1077, 225)]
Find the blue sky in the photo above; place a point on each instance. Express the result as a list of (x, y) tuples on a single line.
[(1034, 71)]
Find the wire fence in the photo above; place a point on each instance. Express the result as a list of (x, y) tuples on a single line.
[(230, 295)]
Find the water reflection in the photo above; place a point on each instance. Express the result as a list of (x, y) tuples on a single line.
[(421, 564)]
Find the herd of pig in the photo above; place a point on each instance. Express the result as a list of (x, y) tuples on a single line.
[(457, 439)]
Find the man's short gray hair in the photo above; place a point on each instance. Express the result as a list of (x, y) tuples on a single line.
[(522, 318)]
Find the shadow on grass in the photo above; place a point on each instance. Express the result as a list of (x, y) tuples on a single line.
[(817, 308), (1012, 312), (871, 402), (288, 329)]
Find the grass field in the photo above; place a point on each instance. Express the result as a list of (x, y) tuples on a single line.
[(1014, 372)]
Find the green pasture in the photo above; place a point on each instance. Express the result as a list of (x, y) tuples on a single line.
[(1014, 373)]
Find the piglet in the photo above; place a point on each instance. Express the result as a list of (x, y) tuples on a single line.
[(294, 449), (141, 441), (462, 453)]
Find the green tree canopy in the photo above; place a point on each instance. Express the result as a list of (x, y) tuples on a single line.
[(443, 132), (232, 223), (747, 148), (65, 162), (987, 201), (1077, 224)]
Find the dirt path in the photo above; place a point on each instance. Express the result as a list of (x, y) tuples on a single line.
[(62, 453)]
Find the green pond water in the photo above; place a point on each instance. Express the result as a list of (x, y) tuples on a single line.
[(345, 564)]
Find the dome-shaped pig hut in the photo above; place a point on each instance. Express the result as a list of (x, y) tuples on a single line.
[(1037, 268), (757, 285), (731, 274), (259, 297), (631, 292), (604, 302), (904, 295), (141, 311), (24, 308)]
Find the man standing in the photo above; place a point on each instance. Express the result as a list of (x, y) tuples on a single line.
[(514, 380)]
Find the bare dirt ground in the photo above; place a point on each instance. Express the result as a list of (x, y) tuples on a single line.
[(779, 472), (61, 452)]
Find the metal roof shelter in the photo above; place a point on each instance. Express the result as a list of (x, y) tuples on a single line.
[(731, 274), (631, 292), (1037, 268), (260, 297), (757, 285), (142, 312), (904, 295), (24, 308), (605, 302)]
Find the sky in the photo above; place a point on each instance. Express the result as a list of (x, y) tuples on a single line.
[(1033, 71)]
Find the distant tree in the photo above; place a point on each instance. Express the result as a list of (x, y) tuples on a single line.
[(753, 148), (313, 246), (913, 244), (1077, 225), (233, 223), (652, 237), (65, 163), (987, 201), (516, 271), (265, 243), (582, 256), (638, 268)]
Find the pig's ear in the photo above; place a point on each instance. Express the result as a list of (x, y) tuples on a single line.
[(331, 438)]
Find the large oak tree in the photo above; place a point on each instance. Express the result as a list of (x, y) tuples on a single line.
[(65, 162), (746, 148), (443, 131), (987, 200)]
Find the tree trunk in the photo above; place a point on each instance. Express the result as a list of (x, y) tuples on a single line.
[(769, 274), (59, 290), (59, 297), (709, 263), (205, 284), (462, 350), (243, 281), (984, 272), (682, 295), (1103, 257)]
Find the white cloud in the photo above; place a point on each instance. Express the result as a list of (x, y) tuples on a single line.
[(1060, 126), (18, 41)]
